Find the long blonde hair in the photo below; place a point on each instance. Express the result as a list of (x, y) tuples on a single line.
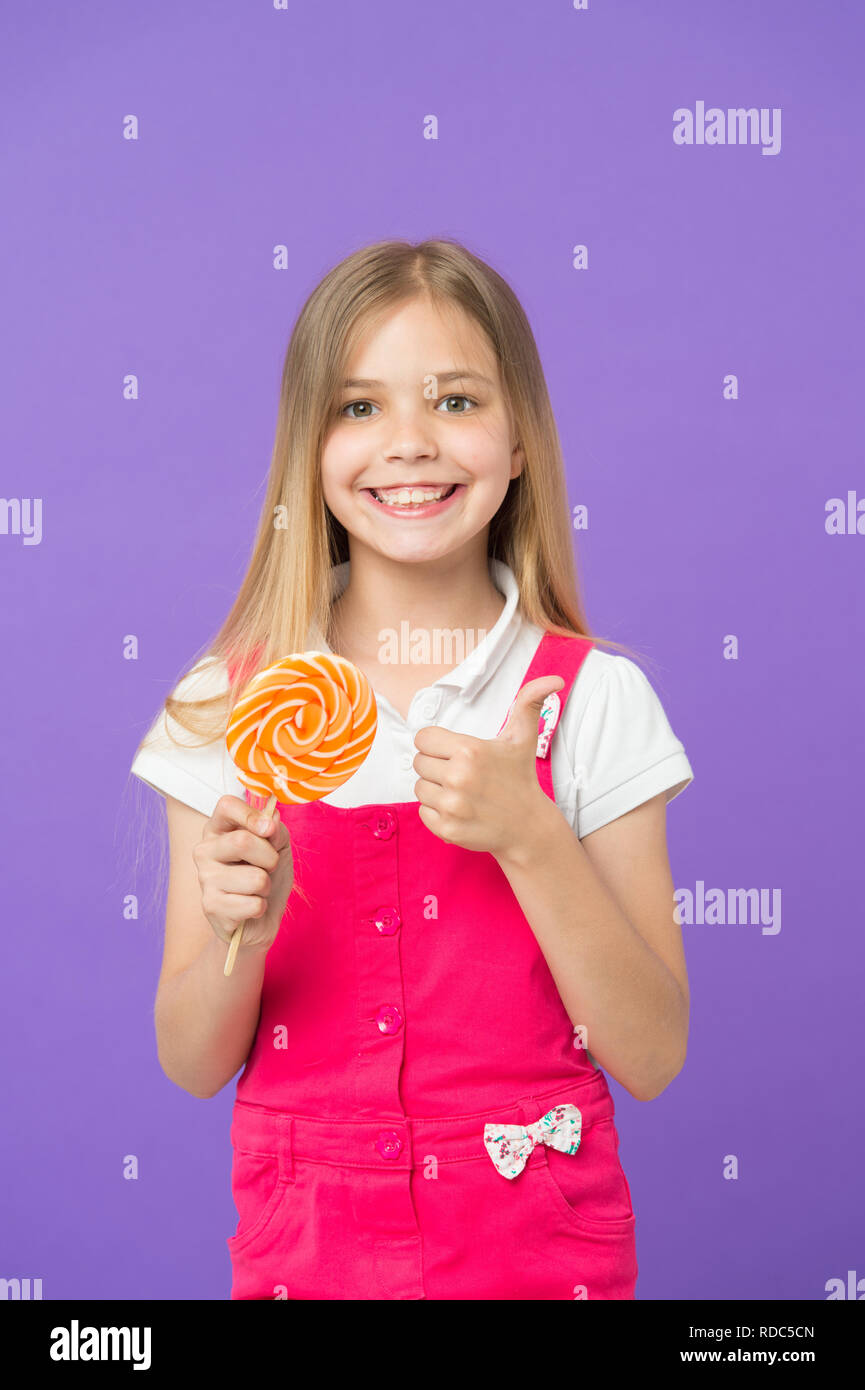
[(287, 592)]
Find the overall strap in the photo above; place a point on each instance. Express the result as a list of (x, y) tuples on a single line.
[(233, 664), (555, 656)]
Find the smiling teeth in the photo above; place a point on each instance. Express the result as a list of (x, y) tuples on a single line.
[(410, 496)]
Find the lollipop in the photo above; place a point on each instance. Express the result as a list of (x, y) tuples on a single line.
[(301, 728)]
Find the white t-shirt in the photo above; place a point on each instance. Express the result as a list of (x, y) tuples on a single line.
[(613, 748)]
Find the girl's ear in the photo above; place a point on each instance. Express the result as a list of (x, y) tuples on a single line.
[(518, 460)]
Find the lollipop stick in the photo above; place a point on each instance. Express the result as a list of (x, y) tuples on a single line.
[(234, 944)]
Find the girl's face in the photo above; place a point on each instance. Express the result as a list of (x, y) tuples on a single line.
[(422, 423)]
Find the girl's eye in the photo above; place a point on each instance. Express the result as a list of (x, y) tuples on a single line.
[(352, 404), (458, 398)]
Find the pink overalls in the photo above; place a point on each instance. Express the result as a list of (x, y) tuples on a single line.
[(402, 1011)]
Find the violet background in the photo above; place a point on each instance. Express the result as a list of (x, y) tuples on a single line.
[(260, 126)]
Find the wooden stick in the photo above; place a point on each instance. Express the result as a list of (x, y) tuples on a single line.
[(234, 944)]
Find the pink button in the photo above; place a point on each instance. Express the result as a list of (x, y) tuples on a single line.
[(389, 1018), (389, 1143), (387, 920), (383, 825)]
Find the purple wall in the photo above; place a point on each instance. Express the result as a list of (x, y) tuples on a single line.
[(153, 256)]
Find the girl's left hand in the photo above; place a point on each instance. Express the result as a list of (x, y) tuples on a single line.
[(482, 793)]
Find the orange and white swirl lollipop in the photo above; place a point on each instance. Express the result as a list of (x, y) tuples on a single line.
[(300, 729)]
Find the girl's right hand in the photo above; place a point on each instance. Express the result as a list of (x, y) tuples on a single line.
[(245, 876)]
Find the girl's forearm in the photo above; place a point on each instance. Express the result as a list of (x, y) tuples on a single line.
[(609, 979), (205, 1022)]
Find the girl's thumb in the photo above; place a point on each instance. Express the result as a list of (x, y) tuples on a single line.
[(525, 712)]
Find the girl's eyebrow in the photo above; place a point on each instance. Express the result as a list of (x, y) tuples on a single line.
[(461, 375)]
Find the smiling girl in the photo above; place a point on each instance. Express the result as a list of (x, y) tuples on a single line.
[(444, 956)]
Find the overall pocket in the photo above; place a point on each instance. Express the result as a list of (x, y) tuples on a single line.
[(590, 1186), (258, 1192)]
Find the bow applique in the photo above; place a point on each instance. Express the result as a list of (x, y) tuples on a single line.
[(509, 1146)]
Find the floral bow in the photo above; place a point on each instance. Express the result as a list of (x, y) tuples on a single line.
[(509, 1146)]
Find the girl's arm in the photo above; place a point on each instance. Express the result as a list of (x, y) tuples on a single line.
[(602, 910), (205, 1022)]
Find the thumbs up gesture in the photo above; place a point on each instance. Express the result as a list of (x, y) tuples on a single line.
[(479, 793)]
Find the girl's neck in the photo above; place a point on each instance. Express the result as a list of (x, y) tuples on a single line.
[(382, 595)]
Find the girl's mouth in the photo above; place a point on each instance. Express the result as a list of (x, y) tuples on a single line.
[(416, 502)]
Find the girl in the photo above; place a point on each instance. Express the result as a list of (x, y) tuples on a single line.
[(443, 955)]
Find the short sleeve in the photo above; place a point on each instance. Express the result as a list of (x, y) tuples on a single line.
[(626, 751), (196, 774)]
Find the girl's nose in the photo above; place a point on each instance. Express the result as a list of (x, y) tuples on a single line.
[(410, 439)]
